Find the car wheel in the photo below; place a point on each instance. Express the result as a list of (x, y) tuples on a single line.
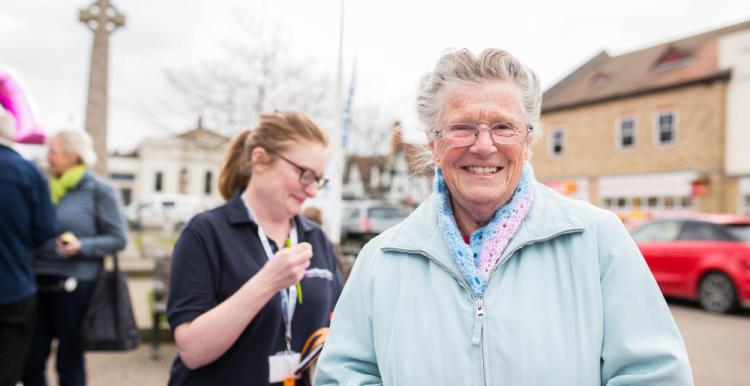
[(716, 293)]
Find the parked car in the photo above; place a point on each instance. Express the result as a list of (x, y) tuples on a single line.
[(706, 258), (163, 210), (364, 219)]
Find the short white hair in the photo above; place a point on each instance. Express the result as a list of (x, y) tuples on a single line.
[(463, 66), (78, 142), (7, 125), (491, 64)]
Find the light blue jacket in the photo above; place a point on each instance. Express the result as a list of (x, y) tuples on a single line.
[(571, 303)]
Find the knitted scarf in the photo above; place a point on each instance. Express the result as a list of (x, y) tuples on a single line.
[(59, 186), (476, 261)]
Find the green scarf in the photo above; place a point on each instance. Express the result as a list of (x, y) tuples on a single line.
[(59, 186)]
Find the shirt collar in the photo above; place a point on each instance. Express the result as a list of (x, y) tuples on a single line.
[(237, 214), (549, 216)]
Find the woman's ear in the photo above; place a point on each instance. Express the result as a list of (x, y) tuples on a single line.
[(434, 151), (259, 158), (527, 152)]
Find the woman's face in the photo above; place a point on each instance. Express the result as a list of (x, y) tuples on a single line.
[(58, 158), (481, 177), (279, 180)]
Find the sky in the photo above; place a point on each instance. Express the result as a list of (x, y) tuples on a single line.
[(394, 43)]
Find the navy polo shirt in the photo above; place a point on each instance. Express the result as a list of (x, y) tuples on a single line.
[(217, 252), (27, 220)]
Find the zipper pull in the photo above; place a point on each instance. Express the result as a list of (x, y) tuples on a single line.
[(476, 337)]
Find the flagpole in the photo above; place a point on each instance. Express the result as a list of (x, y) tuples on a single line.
[(334, 215)]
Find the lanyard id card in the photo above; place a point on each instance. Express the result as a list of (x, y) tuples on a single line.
[(281, 367)]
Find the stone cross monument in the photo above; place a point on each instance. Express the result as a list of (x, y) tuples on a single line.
[(102, 18)]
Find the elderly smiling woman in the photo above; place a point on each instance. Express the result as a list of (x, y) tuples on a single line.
[(495, 279)]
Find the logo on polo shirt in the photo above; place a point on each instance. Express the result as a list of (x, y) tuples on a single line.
[(319, 273)]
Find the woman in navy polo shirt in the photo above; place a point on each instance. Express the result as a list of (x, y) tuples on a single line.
[(252, 280)]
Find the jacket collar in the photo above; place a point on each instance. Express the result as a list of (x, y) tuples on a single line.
[(550, 216), (87, 180), (237, 214)]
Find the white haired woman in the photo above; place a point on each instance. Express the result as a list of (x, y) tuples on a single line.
[(67, 267), (496, 279)]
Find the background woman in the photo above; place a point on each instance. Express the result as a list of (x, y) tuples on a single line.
[(496, 279), (66, 268), (252, 279)]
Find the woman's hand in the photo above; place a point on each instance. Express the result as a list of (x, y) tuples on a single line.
[(67, 244), (198, 341), (287, 266)]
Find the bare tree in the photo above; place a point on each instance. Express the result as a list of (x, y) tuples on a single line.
[(370, 131), (258, 72)]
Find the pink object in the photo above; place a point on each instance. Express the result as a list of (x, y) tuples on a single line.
[(18, 103)]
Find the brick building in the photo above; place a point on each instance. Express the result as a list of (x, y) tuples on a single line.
[(661, 129)]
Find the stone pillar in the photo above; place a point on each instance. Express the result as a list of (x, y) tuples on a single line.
[(102, 18)]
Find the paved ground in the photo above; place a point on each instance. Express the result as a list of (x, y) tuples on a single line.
[(718, 345), (135, 368)]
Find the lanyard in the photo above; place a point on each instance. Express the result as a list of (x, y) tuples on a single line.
[(288, 295)]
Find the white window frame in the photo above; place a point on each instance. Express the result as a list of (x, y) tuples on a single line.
[(618, 132), (551, 147), (657, 128)]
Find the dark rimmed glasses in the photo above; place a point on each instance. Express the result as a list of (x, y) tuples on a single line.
[(502, 133), (306, 176)]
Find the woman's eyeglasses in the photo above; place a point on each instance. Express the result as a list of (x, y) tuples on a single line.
[(306, 176), (502, 133)]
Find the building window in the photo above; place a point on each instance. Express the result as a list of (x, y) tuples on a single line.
[(122, 176), (665, 127), (746, 209), (158, 181), (127, 196), (650, 203), (184, 183), (208, 183), (671, 59), (626, 133), (557, 141)]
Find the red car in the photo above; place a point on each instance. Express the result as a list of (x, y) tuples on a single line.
[(705, 258)]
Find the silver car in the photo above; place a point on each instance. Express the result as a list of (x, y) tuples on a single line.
[(365, 219)]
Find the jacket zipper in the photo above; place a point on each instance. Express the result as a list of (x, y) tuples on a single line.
[(476, 337), (479, 324)]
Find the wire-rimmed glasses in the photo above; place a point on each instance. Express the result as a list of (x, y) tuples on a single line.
[(306, 176), (502, 133)]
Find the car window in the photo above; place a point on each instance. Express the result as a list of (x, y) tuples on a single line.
[(702, 231), (384, 212), (659, 231), (740, 231), (350, 213)]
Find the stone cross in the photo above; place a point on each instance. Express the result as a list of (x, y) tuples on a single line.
[(102, 18)]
